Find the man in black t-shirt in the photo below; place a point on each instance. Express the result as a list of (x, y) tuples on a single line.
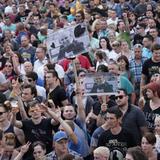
[(116, 138), (151, 66), (56, 91), (133, 118), (39, 128)]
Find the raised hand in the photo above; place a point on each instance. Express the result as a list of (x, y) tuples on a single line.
[(44, 107), (16, 88), (58, 111), (25, 147), (103, 107)]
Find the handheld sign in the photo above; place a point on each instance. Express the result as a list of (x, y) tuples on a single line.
[(100, 84)]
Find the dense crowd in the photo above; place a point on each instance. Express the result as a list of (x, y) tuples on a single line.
[(44, 113)]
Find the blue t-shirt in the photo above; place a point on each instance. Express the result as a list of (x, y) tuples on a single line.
[(95, 136), (82, 146)]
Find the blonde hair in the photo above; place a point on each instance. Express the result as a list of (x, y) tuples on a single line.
[(103, 151), (93, 27)]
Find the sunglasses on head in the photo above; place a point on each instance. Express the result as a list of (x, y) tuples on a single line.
[(120, 97)]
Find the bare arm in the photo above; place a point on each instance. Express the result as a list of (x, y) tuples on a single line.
[(20, 135), (102, 114), (28, 18), (16, 92), (22, 109), (4, 86), (15, 122), (66, 127), (81, 111), (143, 82), (23, 150), (126, 22), (15, 65)]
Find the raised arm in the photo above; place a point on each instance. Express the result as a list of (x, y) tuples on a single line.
[(56, 116), (143, 82), (81, 110), (15, 122), (22, 109), (16, 92), (23, 150), (125, 18), (15, 64)]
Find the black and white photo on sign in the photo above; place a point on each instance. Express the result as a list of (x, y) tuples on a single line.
[(68, 42), (100, 84)]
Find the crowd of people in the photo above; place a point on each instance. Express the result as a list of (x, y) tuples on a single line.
[(44, 113)]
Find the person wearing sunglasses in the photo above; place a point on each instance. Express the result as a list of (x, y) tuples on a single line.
[(133, 118), (32, 78), (6, 126), (8, 70)]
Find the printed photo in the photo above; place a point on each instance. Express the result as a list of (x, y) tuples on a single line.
[(68, 42)]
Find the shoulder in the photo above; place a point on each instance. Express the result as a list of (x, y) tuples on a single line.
[(77, 155), (147, 61), (40, 88), (98, 131), (134, 108), (51, 156), (27, 122), (32, 48), (136, 112)]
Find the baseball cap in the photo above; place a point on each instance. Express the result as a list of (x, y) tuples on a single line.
[(59, 136)]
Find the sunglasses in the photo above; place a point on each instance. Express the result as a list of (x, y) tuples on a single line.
[(2, 113), (120, 97)]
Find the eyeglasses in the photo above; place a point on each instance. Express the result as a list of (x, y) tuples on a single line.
[(2, 113), (8, 66), (120, 97)]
